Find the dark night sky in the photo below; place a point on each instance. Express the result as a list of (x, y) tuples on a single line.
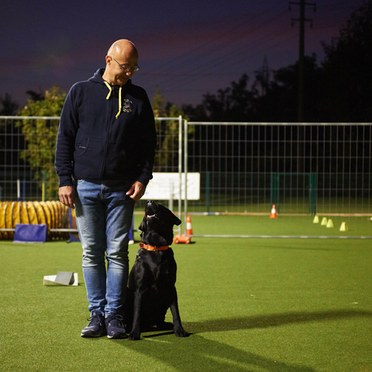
[(187, 48)]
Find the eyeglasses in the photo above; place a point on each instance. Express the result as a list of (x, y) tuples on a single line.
[(126, 67)]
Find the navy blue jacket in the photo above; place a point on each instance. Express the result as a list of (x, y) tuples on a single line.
[(105, 133)]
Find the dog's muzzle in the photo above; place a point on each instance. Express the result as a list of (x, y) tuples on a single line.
[(151, 216)]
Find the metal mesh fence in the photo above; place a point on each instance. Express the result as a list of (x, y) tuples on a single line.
[(27, 147), (244, 167), (26, 157), (303, 168)]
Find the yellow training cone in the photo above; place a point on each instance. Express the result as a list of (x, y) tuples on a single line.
[(343, 227), (330, 224), (316, 219), (324, 221)]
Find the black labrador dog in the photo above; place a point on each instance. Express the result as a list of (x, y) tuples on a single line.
[(151, 284)]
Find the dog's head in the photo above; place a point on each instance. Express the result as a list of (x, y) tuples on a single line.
[(157, 225)]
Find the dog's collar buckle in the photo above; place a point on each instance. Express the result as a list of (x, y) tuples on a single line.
[(149, 247)]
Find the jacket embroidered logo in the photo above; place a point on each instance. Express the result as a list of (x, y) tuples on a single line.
[(127, 105)]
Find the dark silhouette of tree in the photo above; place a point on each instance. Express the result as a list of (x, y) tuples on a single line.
[(7, 105), (234, 103), (347, 73), (280, 101), (240, 102), (195, 113), (35, 96)]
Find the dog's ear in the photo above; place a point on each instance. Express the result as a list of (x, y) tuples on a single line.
[(176, 221), (172, 217), (142, 226)]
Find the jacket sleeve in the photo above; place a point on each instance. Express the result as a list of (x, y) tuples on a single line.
[(68, 126), (149, 142)]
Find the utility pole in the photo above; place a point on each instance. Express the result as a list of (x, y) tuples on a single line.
[(301, 53)]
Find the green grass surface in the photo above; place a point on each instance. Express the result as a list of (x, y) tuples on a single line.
[(251, 305), (284, 225)]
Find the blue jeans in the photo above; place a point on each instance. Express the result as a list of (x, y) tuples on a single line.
[(104, 217)]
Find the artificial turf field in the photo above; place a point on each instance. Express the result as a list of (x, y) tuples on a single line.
[(259, 304)]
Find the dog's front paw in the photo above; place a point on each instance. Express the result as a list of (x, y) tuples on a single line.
[(134, 336), (180, 332)]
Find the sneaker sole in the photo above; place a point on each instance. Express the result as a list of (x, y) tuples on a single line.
[(92, 336), (117, 337)]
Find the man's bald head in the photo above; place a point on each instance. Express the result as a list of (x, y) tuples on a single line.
[(122, 48), (121, 53)]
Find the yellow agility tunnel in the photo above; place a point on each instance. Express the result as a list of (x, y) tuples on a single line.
[(51, 213)]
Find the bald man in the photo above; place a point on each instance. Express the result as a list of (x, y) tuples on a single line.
[(104, 159)]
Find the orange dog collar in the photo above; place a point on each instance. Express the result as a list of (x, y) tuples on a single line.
[(149, 247)]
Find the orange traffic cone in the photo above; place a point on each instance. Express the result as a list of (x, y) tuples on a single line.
[(273, 213), (188, 226), (182, 239)]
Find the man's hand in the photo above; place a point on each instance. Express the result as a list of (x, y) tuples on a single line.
[(136, 191), (67, 196)]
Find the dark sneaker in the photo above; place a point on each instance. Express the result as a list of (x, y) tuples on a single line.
[(96, 326), (115, 326)]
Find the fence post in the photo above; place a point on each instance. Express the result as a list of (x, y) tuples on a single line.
[(43, 187), (208, 191), (185, 154), (274, 188), (313, 187)]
